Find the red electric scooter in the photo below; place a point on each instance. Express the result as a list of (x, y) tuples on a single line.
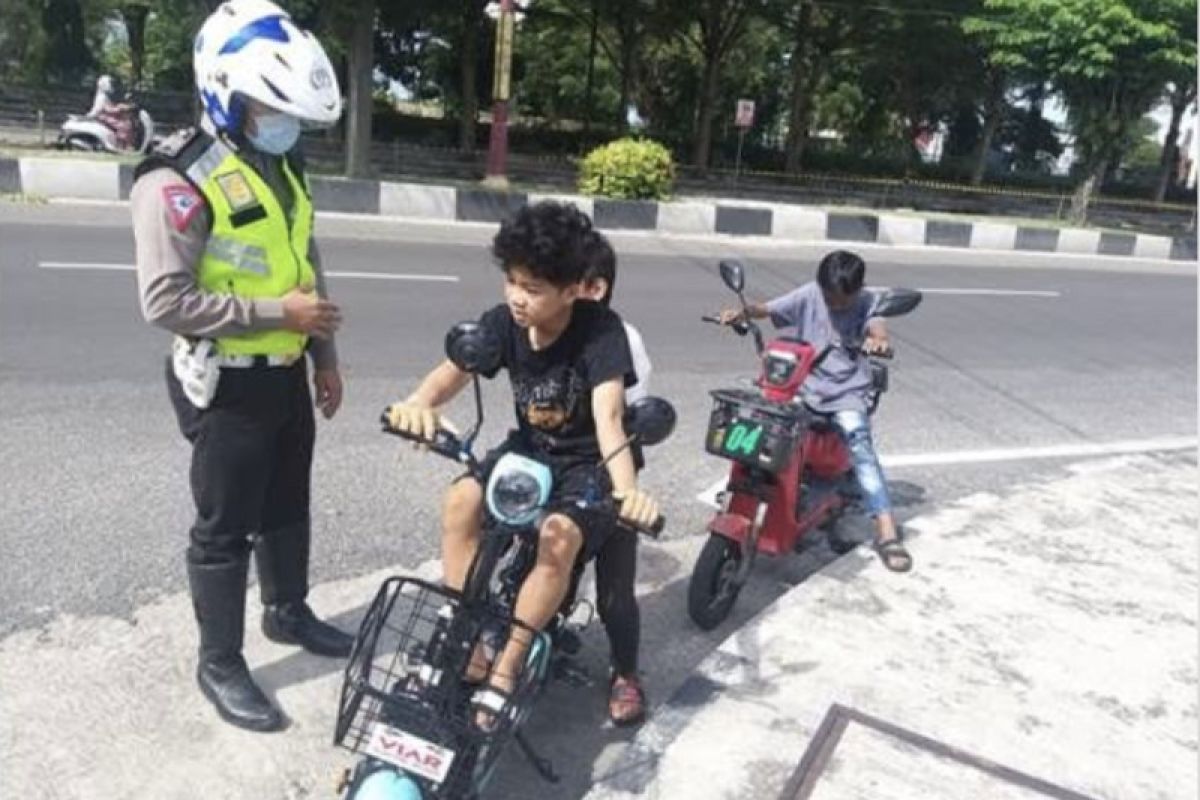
[(791, 471)]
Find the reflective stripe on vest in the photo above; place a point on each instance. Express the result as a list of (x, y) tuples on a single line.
[(252, 250)]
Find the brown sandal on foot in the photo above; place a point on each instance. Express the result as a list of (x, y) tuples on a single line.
[(626, 701), (894, 555)]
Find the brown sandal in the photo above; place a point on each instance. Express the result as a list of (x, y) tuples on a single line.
[(893, 554), (626, 701)]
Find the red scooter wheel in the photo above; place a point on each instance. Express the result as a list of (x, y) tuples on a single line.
[(714, 588)]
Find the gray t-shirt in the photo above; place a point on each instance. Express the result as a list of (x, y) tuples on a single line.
[(841, 381)]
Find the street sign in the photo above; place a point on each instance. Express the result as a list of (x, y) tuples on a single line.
[(745, 114)]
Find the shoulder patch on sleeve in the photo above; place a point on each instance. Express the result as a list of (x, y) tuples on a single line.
[(183, 203)]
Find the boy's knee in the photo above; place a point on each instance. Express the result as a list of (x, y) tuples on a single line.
[(859, 441), (463, 500), (559, 542)]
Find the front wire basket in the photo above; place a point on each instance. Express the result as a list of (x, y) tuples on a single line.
[(410, 675)]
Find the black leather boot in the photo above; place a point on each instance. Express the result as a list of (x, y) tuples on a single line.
[(219, 598), (282, 559)]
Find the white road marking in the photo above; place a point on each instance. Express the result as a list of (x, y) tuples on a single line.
[(86, 265), (1082, 450), (393, 276), (1077, 450), (993, 292), (377, 276)]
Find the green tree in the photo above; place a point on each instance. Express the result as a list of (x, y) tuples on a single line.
[(66, 57), (555, 62), (630, 23), (1181, 96), (440, 49), (22, 40), (714, 28), (361, 68), (170, 31), (1182, 91), (1109, 59)]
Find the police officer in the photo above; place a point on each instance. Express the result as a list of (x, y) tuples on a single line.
[(223, 225)]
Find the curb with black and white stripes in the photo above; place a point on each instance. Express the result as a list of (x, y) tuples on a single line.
[(109, 180)]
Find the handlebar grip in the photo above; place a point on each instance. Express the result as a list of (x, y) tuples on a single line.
[(741, 328), (444, 443), (656, 527), (652, 531)]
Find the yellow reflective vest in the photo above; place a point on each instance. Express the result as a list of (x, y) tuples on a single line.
[(253, 250)]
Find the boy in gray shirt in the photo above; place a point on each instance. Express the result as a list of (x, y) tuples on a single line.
[(835, 312)]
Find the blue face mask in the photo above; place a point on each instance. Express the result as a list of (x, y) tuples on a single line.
[(276, 133)]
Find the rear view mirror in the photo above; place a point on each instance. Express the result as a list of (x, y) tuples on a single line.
[(734, 275), (651, 419), (472, 349), (896, 302)]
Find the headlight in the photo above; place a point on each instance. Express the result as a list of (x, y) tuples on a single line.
[(518, 489)]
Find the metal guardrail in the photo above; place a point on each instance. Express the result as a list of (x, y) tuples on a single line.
[(402, 161), (44, 109)]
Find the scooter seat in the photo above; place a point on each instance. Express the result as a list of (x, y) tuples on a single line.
[(818, 421), (821, 423)]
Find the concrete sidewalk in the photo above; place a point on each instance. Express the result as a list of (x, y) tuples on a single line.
[(1050, 631), (61, 177), (1045, 646)]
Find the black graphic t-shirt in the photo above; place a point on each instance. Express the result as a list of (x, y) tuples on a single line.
[(552, 388)]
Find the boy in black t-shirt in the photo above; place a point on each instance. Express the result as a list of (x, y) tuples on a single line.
[(569, 363)]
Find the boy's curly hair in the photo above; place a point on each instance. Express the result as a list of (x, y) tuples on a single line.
[(549, 239), (601, 263)]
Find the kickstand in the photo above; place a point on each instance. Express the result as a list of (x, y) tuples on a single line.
[(542, 765)]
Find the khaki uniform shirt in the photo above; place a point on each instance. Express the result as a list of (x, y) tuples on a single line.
[(170, 243)]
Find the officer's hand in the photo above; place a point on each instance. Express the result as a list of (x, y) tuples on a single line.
[(731, 315), (327, 391), (637, 507), (415, 420), (305, 312)]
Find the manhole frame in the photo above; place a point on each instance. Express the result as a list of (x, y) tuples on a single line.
[(838, 718)]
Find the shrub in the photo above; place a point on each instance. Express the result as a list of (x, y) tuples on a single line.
[(628, 169)]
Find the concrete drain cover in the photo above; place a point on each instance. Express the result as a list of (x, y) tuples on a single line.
[(855, 756)]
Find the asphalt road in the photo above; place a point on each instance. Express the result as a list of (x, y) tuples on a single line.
[(1008, 352)]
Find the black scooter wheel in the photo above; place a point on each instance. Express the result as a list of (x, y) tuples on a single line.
[(713, 590)]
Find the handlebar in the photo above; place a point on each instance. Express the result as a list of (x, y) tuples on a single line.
[(655, 529), (449, 446), (740, 328), (611, 506), (445, 444)]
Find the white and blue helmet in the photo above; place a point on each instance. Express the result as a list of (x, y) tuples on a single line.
[(253, 49)]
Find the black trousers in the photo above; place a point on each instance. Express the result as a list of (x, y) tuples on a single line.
[(616, 574), (251, 460)]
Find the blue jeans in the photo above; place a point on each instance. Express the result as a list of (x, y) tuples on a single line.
[(855, 428)]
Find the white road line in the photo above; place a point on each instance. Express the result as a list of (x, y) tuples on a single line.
[(391, 276), (994, 292), (377, 276), (1083, 450), (85, 265)]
